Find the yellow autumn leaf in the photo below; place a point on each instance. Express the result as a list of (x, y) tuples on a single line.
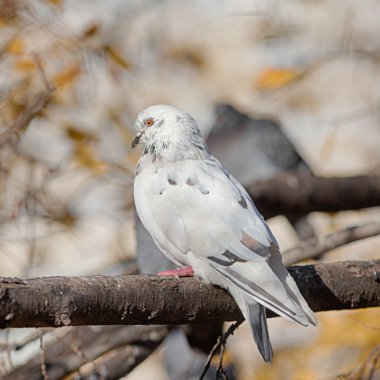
[(273, 78), (78, 135), (117, 57), (66, 218), (16, 46), (66, 77), (25, 64), (55, 2), (83, 154), (91, 30), (85, 158), (355, 332)]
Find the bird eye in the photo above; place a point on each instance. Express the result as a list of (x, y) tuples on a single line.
[(149, 122)]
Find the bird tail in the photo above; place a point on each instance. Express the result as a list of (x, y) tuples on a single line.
[(291, 286), (255, 315)]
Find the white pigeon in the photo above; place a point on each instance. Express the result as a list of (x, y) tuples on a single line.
[(204, 221)]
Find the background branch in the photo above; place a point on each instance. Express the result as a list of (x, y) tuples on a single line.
[(314, 248), (295, 194), (99, 346), (101, 300), (14, 132)]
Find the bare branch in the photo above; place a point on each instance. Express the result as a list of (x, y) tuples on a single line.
[(366, 370), (101, 346), (316, 247), (220, 344), (295, 194), (42, 360), (102, 300), (21, 124), (121, 361)]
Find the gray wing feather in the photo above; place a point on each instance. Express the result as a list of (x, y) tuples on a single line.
[(282, 273), (258, 282)]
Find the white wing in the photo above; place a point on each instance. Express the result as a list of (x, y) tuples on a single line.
[(198, 214)]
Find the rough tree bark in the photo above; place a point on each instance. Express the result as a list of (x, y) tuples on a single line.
[(101, 300), (295, 194)]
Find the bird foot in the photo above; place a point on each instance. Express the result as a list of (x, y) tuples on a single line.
[(181, 272)]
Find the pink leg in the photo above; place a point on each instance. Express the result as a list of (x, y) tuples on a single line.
[(181, 272)]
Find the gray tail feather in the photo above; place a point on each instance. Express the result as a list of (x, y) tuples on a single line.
[(258, 323), (256, 317)]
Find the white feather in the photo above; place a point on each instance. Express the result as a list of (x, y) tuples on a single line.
[(199, 215)]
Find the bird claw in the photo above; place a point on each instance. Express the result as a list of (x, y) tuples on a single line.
[(181, 272)]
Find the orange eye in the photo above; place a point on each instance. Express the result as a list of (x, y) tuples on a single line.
[(149, 122)]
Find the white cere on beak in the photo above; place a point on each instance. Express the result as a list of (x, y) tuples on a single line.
[(136, 140)]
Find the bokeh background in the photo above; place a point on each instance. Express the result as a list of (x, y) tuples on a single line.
[(66, 186)]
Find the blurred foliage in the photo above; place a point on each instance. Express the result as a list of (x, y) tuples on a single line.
[(274, 78), (66, 178), (346, 340)]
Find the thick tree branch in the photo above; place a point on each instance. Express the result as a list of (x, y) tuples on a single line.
[(295, 194), (101, 300)]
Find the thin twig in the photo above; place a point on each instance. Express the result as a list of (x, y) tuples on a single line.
[(114, 350), (8, 351), (220, 343), (32, 337), (42, 359), (86, 359), (366, 370), (374, 361), (38, 103), (316, 247), (47, 83), (25, 117), (220, 372)]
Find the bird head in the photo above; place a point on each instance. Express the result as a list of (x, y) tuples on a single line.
[(165, 124), (154, 122)]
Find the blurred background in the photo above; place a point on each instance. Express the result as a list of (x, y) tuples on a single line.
[(309, 68)]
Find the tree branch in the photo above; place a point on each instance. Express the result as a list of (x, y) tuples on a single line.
[(221, 342), (295, 194), (102, 300), (99, 346), (316, 247), (26, 116)]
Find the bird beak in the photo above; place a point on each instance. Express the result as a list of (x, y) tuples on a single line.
[(140, 131), (136, 140)]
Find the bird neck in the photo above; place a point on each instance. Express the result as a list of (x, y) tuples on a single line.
[(164, 151)]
